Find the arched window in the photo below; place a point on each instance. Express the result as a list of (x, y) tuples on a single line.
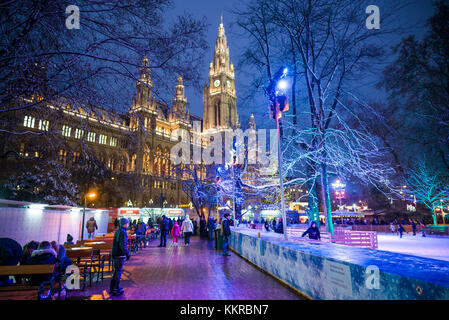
[(133, 162), (147, 160), (166, 162), (158, 161)]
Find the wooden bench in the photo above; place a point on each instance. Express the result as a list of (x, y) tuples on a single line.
[(25, 291), (82, 257), (104, 250)]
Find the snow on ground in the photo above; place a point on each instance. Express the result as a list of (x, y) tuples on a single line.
[(429, 247)]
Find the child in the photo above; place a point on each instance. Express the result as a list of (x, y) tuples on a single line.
[(175, 233), (392, 228), (423, 227), (69, 239)]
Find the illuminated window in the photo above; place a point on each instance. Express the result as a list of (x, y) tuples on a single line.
[(63, 156), (133, 162), (43, 125), (76, 156), (79, 133), (111, 163), (113, 142), (66, 130), (91, 136), (28, 122), (102, 139)]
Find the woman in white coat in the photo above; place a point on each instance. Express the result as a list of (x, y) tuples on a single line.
[(187, 228)]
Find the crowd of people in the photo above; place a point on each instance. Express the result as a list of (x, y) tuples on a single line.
[(33, 253)]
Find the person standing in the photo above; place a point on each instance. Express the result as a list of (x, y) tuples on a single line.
[(91, 226), (164, 231), (175, 233), (195, 226), (116, 223), (400, 230), (119, 254), (187, 229), (226, 233), (279, 226), (267, 226), (412, 223), (423, 227), (170, 224), (392, 227), (211, 228), (140, 234)]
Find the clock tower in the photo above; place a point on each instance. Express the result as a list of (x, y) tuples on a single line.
[(219, 97)]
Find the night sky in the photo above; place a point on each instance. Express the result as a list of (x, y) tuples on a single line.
[(412, 17)]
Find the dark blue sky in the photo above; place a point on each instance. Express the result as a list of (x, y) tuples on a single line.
[(413, 17)]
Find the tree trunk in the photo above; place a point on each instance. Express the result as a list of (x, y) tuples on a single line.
[(433, 216), (326, 199), (312, 199)]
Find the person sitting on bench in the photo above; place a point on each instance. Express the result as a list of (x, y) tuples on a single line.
[(43, 255)]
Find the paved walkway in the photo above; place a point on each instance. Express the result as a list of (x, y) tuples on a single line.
[(197, 272)]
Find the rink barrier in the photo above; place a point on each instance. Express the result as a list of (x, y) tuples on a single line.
[(330, 271)]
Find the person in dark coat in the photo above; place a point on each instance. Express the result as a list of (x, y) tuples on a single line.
[(279, 227), (226, 233), (45, 254), (116, 223), (267, 225), (91, 226), (140, 234), (273, 223), (211, 227), (400, 229), (119, 254), (165, 227), (62, 259), (27, 251), (412, 223), (195, 226), (313, 231), (11, 253)]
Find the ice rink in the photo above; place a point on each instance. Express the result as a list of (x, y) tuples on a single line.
[(429, 247)]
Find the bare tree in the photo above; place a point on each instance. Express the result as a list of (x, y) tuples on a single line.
[(332, 46)]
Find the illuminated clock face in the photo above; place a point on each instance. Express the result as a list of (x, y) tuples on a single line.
[(228, 83), (217, 83)]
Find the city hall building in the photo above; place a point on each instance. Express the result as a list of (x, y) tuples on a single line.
[(130, 152)]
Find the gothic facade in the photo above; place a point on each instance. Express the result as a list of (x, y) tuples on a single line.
[(134, 147)]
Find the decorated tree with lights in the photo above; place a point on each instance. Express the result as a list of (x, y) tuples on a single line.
[(428, 185)]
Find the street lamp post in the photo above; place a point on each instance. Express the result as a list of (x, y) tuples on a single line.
[(279, 103), (339, 190), (91, 195)]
